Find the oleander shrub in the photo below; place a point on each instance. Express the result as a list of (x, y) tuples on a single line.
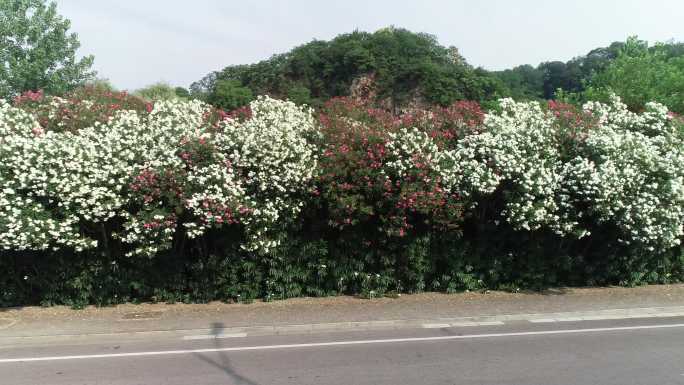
[(591, 196), (117, 200), (78, 109), (386, 187), (573, 172)]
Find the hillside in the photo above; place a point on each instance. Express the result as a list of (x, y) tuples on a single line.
[(392, 67)]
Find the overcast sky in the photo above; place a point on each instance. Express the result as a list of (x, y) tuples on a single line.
[(138, 42)]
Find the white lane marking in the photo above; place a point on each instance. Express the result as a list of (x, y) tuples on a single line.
[(338, 343), (483, 323), (214, 336), (436, 326), (461, 324), (606, 317)]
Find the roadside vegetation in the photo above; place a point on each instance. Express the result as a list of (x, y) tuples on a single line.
[(336, 169)]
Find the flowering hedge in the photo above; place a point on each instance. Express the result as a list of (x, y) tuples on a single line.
[(396, 171), (569, 171), (140, 178), (101, 192)]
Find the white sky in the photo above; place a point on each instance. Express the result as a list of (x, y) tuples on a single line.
[(140, 42)]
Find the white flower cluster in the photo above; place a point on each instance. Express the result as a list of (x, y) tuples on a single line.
[(518, 146), (633, 174), (54, 183), (625, 171), (413, 149), (59, 189), (274, 154)]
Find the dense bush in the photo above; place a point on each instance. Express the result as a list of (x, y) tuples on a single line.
[(178, 201)]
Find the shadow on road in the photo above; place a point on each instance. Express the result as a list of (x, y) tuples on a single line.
[(223, 362)]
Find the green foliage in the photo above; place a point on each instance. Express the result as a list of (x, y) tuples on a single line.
[(394, 68), (36, 50), (487, 257), (299, 94), (402, 65), (526, 82), (523, 82), (100, 84), (229, 95), (182, 92), (631, 69), (640, 75), (158, 91), (374, 223)]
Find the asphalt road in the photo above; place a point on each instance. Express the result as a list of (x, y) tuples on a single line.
[(620, 352)]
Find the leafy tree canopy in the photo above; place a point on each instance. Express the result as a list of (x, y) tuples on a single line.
[(182, 93), (631, 69), (37, 51), (158, 91), (229, 94), (641, 74)]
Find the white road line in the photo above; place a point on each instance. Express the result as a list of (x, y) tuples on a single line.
[(338, 343), (214, 336), (605, 317), (461, 324), (436, 326), (483, 323)]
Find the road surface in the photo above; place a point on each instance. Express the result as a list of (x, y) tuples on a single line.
[(621, 352)]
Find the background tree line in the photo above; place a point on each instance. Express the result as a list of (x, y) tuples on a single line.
[(392, 68), (408, 66), (632, 69)]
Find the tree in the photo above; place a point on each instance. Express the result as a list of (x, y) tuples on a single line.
[(36, 50), (526, 82), (100, 84), (555, 76), (299, 94), (523, 82), (230, 94), (182, 93), (641, 74), (157, 91)]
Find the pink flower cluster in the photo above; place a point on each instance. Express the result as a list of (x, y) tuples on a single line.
[(29, 96), (353, 180)]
